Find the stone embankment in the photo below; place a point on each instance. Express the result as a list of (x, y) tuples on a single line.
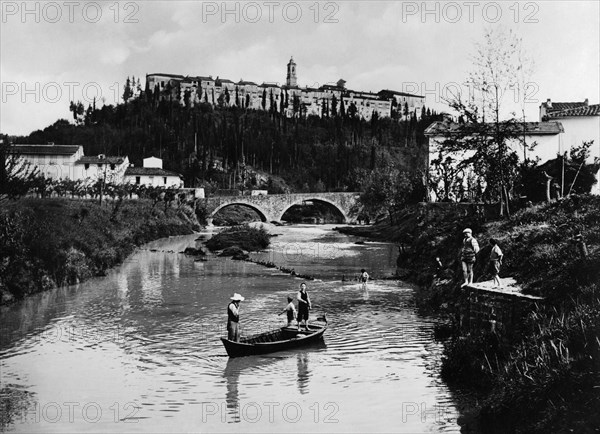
[(496, 309)]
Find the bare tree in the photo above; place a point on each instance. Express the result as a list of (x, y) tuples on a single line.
[(500, 65)]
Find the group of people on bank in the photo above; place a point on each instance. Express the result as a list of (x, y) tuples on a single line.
[(468, 254), (300, 315)]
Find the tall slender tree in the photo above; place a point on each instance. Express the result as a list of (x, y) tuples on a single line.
[(489, 124)]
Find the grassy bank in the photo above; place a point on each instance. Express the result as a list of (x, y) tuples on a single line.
[(52, 242), (545, 375)]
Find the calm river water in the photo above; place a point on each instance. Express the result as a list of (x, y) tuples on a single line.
[(139, 350)]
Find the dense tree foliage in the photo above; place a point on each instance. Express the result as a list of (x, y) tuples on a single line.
[(213, 143)]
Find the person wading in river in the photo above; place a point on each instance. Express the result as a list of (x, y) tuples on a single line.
[(303, 306), (469, 250), (364, 278), (233, 318)]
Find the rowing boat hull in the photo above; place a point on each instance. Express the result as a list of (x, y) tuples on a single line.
[(292, 338)]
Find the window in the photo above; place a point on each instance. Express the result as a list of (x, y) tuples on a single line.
[(87, 166), (165, 180), (137, 180)]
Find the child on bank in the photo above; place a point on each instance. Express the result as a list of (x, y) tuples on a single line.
[(496, 256)]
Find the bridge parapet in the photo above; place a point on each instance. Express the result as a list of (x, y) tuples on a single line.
[(272, 207)]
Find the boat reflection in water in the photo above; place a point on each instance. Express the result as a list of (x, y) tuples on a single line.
[(262, 367)]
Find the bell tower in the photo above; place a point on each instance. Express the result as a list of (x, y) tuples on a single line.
[(291, 80)]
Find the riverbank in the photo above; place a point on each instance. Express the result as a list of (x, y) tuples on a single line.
[(46, 243), (544, 376)]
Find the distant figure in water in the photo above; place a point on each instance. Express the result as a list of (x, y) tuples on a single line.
[(233, 318), (303, 306), (496, 256), (290, 309), (364, 278), (469, 250)]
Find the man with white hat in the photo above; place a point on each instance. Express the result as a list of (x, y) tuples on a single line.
[(469, 251), (233, 317)]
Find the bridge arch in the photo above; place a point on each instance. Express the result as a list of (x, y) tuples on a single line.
[(314, 199), (264, 216)]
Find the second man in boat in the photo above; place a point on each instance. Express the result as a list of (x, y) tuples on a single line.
[(303, 306)]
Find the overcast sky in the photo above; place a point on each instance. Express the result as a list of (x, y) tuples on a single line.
[(52, 51)]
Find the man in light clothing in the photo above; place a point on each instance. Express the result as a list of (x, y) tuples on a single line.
[(233, 318), (469, 250)]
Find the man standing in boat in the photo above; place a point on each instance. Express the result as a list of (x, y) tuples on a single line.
[(303, 306), (233, 318)]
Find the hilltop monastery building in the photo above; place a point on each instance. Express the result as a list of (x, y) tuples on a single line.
[(289, 98)]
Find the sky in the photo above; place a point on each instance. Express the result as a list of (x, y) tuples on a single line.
[(55, 52)]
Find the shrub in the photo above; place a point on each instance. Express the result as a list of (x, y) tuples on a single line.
[(246, 237)]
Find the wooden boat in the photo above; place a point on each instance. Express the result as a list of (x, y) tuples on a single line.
[(283, 338)]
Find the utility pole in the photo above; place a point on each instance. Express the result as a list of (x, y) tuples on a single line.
[(102, 184)]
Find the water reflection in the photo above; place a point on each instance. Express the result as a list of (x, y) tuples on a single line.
[(303, 373), (254, 365), (232, 398), (148, 333)]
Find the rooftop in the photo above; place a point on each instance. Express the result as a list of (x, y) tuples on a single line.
[(99, 160), (550, 106), (48, 149), (395, 92), (166, 75), (149, 171), (332, 86), (586, 110), (269, 85)]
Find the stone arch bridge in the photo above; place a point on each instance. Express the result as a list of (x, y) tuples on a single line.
[(272, 207)]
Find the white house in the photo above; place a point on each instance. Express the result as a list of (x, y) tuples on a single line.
[(68, 162), (543, 139), (111, 169), (581, 123), (152, 174), (53, 161), (545, 136)]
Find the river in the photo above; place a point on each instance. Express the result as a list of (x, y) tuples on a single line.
[(138, 350)]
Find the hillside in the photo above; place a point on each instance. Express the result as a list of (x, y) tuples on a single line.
[(214, 146)]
